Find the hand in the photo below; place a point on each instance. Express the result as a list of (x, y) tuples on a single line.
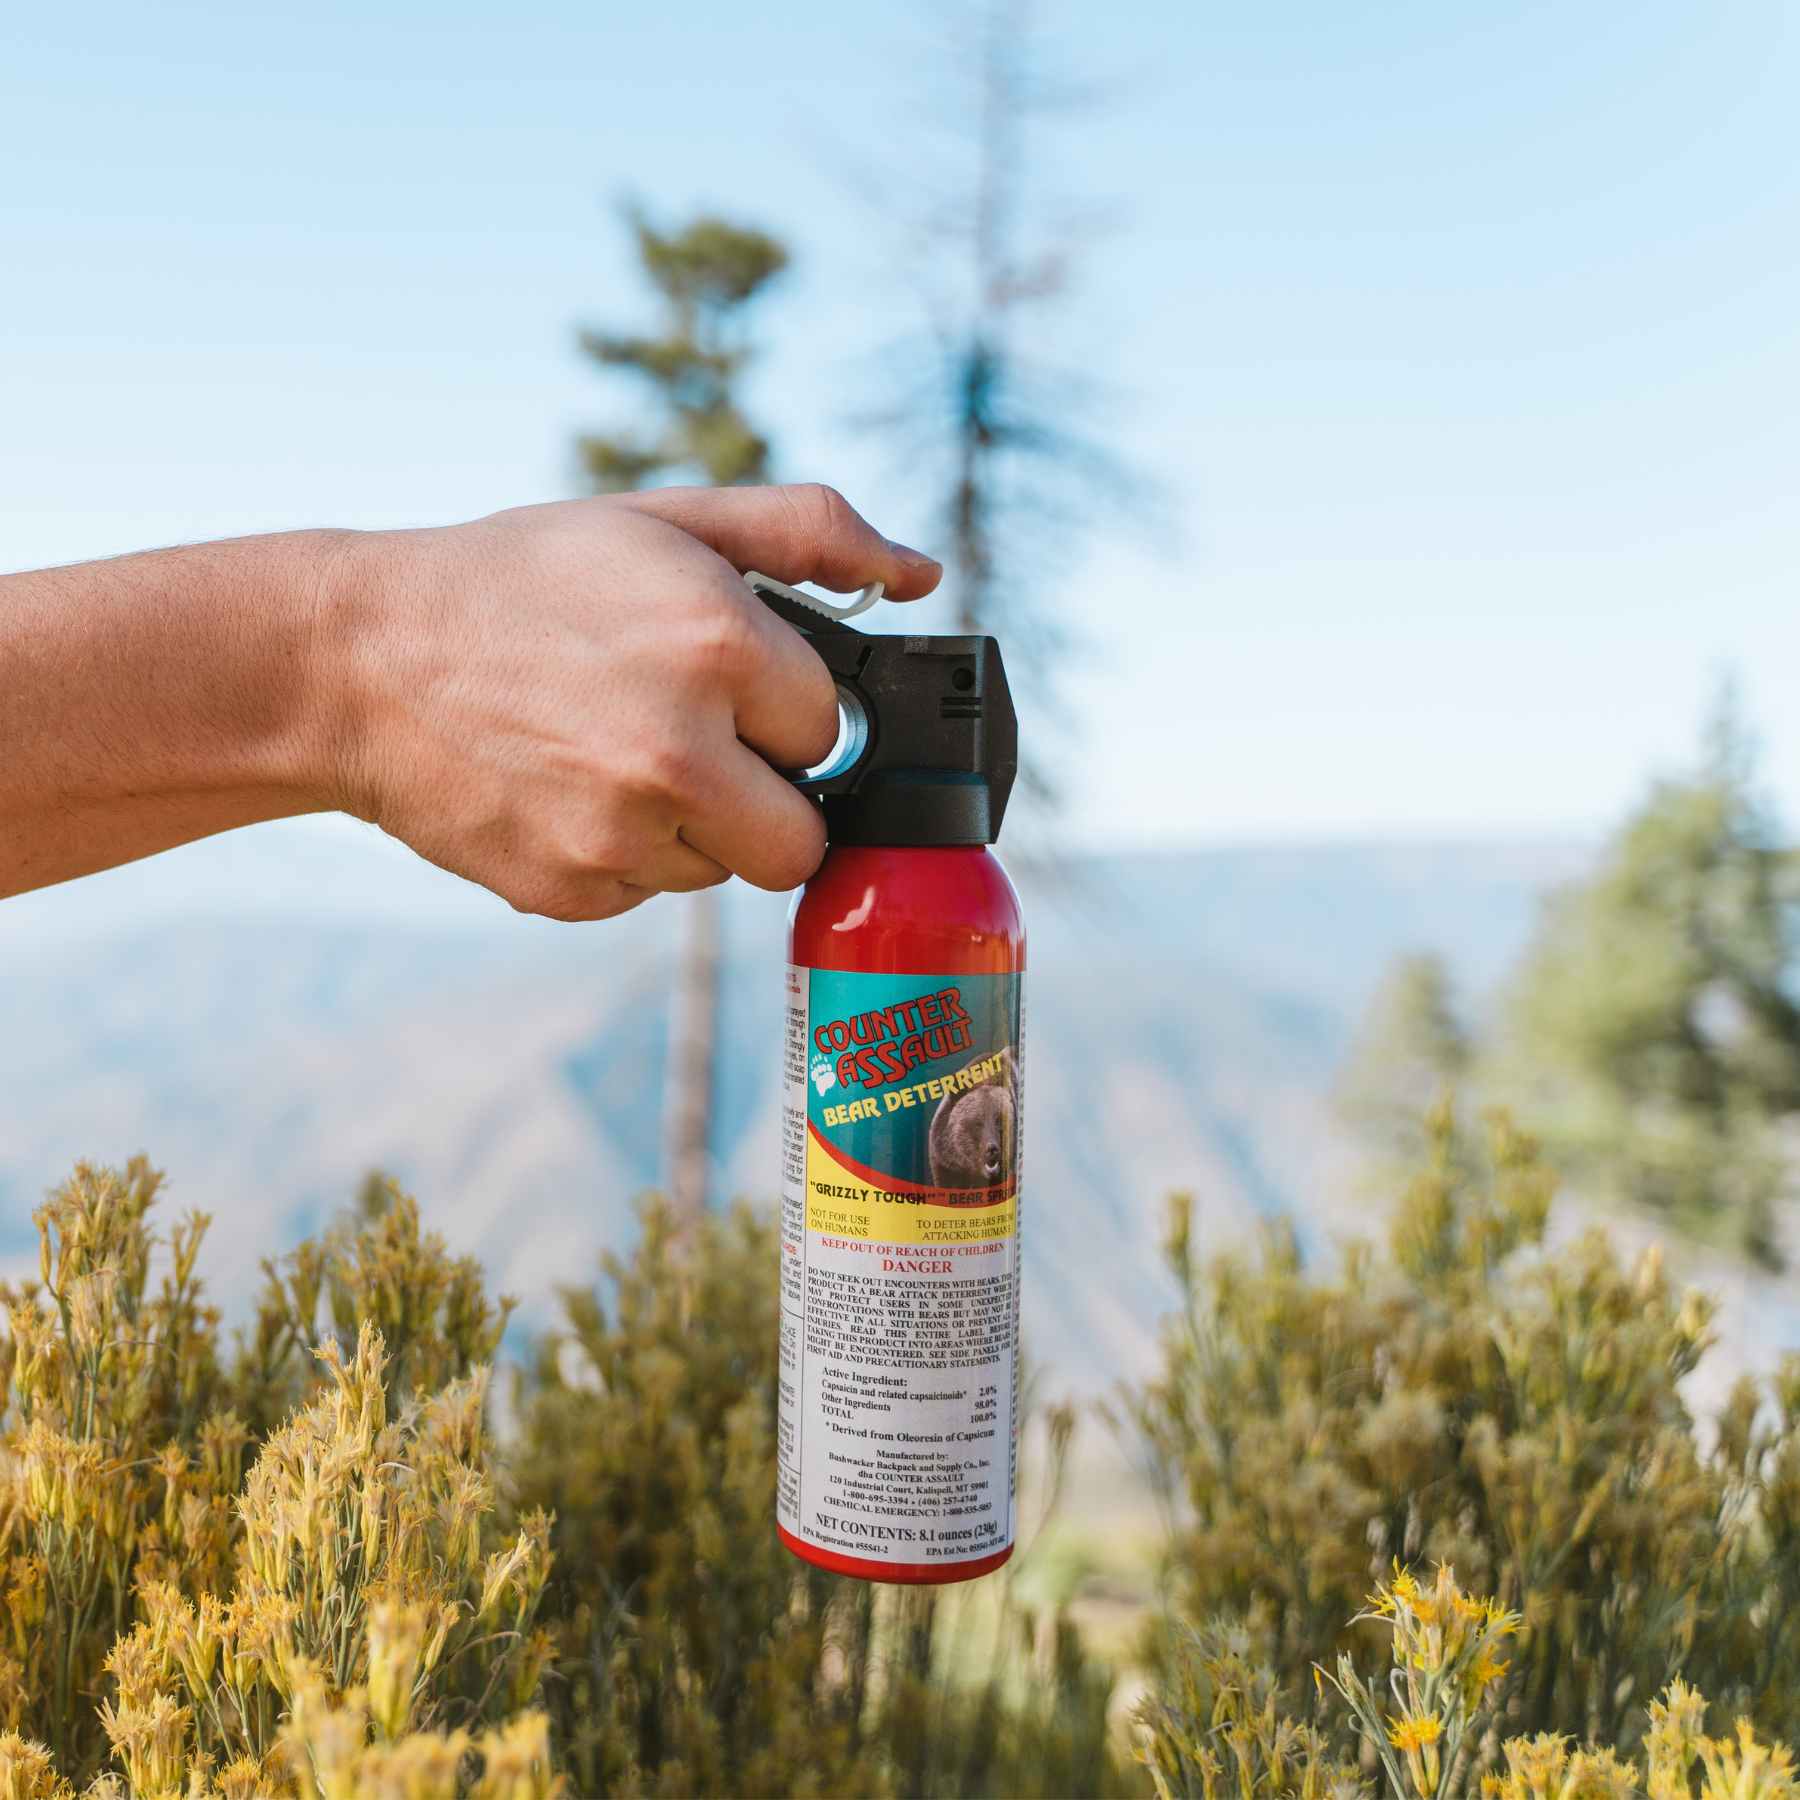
[(579, 705)]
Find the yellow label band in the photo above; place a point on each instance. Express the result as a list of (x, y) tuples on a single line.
[(843, 1203)]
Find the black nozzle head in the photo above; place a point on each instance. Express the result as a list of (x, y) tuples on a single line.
[(933, 741)]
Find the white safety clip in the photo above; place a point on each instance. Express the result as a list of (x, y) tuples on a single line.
[(825, 608)]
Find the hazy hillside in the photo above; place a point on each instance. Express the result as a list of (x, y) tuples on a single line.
[(272, 1014)]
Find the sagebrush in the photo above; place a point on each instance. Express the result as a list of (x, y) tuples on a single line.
[(302, 1565), (1431, 1726), (209, 1606), (1476, 1398)]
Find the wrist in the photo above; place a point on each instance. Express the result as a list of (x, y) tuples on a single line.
[(350, 584), (154, 699)]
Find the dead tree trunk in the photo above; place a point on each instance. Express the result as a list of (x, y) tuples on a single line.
[(693, 1056)]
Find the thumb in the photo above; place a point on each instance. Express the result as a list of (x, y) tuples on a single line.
[(804, 533)]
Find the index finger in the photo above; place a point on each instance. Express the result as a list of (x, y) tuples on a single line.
[(804, 533), (783, 697)]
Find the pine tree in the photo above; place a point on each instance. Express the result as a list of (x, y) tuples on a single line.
[(1653, 1031), (1412, 1050), (707, 277), (985, 419)]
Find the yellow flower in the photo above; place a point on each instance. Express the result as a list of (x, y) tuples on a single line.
[(1413, 1732), (396, 1641), (516, 1761)]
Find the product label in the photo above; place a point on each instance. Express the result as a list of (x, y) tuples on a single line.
[(900, 1264)]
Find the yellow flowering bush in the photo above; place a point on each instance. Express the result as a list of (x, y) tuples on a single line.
[(1215, 1726), (696, 1656), (378, 1266), (320, 1605), (364, 1570), (1447, 1665), (1471, 1398), (1733, 1767), (1430, 1729), (305, 1568), (121, 1454)]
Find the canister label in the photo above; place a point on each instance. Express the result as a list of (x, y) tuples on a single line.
[(900, 1264)]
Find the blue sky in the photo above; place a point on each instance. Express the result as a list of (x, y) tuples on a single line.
[(1463, 340)]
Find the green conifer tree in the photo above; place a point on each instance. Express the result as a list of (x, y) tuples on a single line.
[(706, 277), (1652, 1031), (1412, 1049)]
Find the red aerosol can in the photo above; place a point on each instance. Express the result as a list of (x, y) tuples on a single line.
[(904, 1076)]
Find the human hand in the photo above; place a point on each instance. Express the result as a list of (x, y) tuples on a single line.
[(581, 704)]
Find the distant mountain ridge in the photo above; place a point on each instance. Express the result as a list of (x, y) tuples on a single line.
[(271, 1015)]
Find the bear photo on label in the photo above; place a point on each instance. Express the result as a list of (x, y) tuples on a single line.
[(974, 1133)]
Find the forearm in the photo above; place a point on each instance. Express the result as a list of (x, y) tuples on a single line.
[(159, 698), (577, 705)]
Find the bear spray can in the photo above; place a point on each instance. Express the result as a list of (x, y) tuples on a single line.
[(904, 1073)]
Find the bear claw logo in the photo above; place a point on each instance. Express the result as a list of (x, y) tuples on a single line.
[(824, 1076)]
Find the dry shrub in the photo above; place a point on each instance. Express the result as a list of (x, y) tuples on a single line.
[(1428, 1726), (695, 1654), (122, 1453), (284, 1570), (331, 1608), (1469, 1399)]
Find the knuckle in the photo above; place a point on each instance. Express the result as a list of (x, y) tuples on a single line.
[(579, 868), (791, 856), (569, 901), (816, 715), (823, 512), (668, 768), (608, 849), (570, 909), (720, 635)]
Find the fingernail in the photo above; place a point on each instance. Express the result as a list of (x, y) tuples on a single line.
[(908, 554)]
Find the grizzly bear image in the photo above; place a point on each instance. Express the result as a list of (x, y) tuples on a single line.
[(975, 1132)]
